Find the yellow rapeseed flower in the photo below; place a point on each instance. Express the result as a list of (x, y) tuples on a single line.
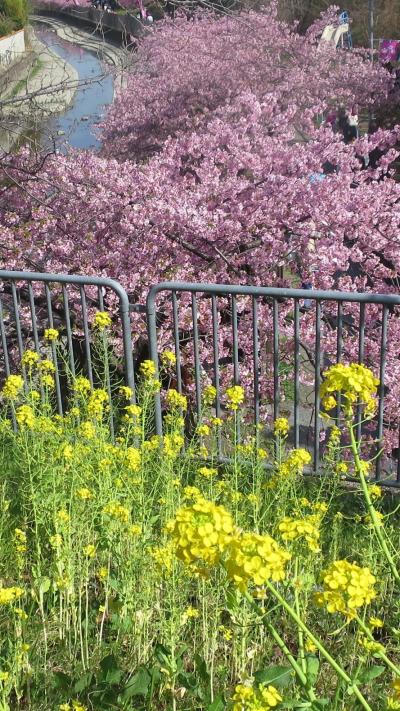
[(200, 533), (51, 334), (207, 473), (126, 392), (30, 359), (25, 416), (203, 430), (175, 400), (81, 385), (116, 511), (295, 462), (84, 493), (234, 397), (281, 427), (209, 394), (355, 382), (90, 550), (168, 358), (102, 320), (254, 558), (263, 698), (87, 430), (9, 595), (148, 369), (375, 622), (307, 528), (12, 387), (346, 588)]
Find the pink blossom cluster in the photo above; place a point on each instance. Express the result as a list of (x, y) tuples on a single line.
[(205, 176)]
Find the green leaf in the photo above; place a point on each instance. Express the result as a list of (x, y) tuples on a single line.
[(201, 669), (138, 685), (313, 665), (61, 681), (111, 673), (217, 705), (163, 655), (83, 683), (276, 675), (368, 675)]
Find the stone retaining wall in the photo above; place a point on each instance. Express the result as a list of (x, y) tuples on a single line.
[(12, 48), (125, 25)]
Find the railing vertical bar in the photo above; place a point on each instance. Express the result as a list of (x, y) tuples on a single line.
[(17, 319), (3, 334), (317, 383), (101, 297), (34, 327), (53, 349), (196, 354), (216, 364), (235, 342), (69, 330), (176, 341), (339, 350), (361, 354), (275, 320), (86, 333), (296, 373), (33, 316), (256, 364), (381, 389)]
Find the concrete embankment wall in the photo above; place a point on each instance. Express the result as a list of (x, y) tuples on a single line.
[(125, 27), (12, 48)]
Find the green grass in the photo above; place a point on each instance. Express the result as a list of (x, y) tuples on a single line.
[(107, 616)]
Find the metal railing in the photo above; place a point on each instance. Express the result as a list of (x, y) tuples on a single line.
[(30, 302), (275, 342), (278, 341)]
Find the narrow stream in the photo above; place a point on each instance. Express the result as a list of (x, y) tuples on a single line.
[(75, 127)]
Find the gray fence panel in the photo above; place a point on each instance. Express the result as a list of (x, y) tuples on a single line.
[(323, 307), (30, 302)]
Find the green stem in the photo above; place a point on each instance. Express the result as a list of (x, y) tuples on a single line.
[(382, 654), (338, 669), (297, 608), (302, 677), (370, 507)]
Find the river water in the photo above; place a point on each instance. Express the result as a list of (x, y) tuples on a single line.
[(76, 126)]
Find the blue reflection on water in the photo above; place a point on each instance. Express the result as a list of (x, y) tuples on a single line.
[(88, 102)]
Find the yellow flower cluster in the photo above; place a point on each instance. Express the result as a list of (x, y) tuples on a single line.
[(73, 706), (306, 528), (207, 473), (12, 387), (234, 397), (25, 416), (102, 320), (8, 595), (173, 444), (132, 458), (295, 462), (126, 392), (175, 400), (346, 588), (281, 427), (201, 532), (393, 701), (96, 402), (148, 369), (30, 359), (246, 698), (255, 558), (209, 394), (87, 430), (168, 358), (20, 540), (115, 510), (355, 382), (51, 334), (81, 385)]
